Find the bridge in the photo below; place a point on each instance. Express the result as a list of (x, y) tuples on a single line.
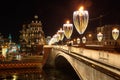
[(89, 64)]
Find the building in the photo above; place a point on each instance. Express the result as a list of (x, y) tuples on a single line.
[(32, 36), (8, 49), (106, 30), (3, 42)]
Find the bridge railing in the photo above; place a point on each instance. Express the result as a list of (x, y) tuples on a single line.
[(104, 56)]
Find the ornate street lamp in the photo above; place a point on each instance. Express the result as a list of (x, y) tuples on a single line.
[(84, 40), (115, 33), (56, 37), (99, 36), (80, 19), (78, 40), (61, 34), (68, 29)]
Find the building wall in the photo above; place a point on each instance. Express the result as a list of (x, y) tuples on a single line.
[(32, 35), (106, 30)]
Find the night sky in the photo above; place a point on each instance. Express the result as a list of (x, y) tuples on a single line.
[(53, 14)]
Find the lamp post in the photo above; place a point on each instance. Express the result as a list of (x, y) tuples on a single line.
[(115, 35), (56, 38), (84, 40), (80, 19), (61, 35), (78, 41), (99, 37), (68, 29)]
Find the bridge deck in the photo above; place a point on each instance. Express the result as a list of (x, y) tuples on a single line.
[(105, 61), (111, 58)]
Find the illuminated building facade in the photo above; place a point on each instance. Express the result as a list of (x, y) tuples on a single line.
[(32, 36), (3, 42), (106, 30)]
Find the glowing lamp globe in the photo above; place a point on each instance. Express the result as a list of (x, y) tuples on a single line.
[(68, 29), (115, 33), (61, 34), (80, 19), (84, 39), (99, 36)]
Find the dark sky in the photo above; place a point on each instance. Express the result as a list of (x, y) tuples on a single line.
[(53, 14)]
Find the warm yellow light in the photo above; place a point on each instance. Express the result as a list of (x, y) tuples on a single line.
[(60, 29), (90, 35), (68, 21), (115, 29), (74, 39), (100, 33), (81, 8), (115, 33)]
